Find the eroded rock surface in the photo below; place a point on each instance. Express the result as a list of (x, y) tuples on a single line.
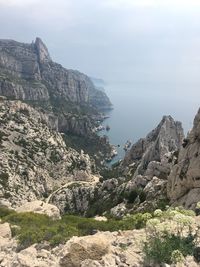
[(184, 179)]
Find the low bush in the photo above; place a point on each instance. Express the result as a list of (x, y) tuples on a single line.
[(35, 228), (4, 179), (161, 248), (169, 236), (5, 212)]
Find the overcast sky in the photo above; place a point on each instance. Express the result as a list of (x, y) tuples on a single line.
[(117, 40)]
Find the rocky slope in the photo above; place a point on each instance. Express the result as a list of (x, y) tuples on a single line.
[(184, 179), (34, 159)]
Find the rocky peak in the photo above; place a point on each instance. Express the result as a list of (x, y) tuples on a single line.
[(42, 51), (159, 143)]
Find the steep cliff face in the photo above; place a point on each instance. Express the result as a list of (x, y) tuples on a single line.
[(184, 179), (34, 159), (27, 72)]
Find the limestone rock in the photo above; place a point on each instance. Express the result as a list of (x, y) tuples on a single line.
[(80, 249), (5, 230), (40, 207), (165, 138), (42, 50), (119, 211), (184, 179), (81, 197)]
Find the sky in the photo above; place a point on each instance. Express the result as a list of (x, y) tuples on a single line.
[(116, 40)]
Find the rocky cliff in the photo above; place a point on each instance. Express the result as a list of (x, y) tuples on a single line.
[(34, 159), (184, 179), (74, 104), (27, 72)]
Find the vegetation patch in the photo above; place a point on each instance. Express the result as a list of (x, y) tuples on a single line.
[(36, 228), (170, 236), (4, 179)]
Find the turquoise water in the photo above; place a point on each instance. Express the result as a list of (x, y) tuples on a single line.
[(139, 107)]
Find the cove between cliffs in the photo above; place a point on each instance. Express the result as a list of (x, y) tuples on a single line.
[(139, 106)]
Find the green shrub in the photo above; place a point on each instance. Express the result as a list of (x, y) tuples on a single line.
[(33, 228), (132, 195), (159, 249), (166, 242), (5, 212), (4, 179)]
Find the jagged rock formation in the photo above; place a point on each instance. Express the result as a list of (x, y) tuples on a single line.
[(184, 179), (159, 143), (150, 160), (34, 159)]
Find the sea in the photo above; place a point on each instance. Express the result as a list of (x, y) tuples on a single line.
[(138, 107)]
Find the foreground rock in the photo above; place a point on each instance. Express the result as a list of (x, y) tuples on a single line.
[(107, 249), (5, 230), (100, 250), (81, 249), (184, 179)]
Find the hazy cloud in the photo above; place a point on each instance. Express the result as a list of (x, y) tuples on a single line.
[(151, 3), (112, 39)]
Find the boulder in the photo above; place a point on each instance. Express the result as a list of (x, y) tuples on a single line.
[(5, 230), (119, 211), (80, 249), (41, 208)]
